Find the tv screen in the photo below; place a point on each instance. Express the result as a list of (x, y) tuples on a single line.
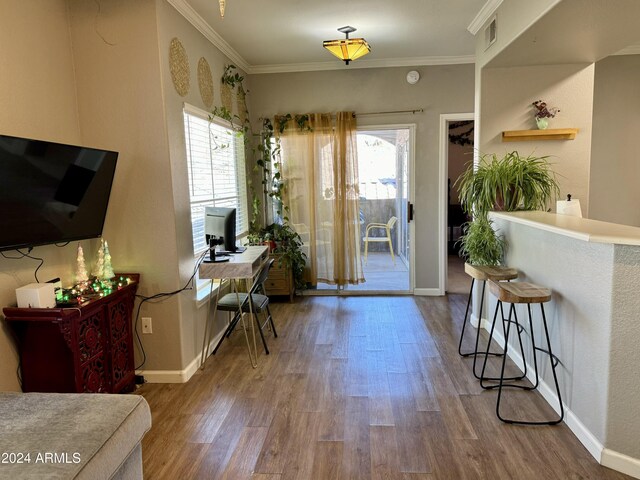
[(50, 192)]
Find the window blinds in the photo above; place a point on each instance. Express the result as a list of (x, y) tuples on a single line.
[(217, 175)]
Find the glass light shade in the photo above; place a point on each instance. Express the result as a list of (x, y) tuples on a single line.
[(347, 49)]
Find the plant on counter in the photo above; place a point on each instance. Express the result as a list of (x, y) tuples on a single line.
[(287, 245), (509, 183)]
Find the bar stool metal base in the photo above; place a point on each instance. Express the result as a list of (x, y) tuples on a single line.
[(505, 329), (552, 359), (483, 273)]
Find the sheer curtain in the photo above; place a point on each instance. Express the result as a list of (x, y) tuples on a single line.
[(319, 165)]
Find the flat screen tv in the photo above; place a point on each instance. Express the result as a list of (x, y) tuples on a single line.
[(51, 193)]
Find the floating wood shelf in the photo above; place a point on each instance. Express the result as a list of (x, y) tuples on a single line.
[(549, 134)]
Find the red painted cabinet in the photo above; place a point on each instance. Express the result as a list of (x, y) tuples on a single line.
[(85, 349)]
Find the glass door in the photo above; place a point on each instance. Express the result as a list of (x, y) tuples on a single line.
[(384, 169)]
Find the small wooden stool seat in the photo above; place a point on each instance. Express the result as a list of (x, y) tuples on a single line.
[(482, 273), (489, 272), (520, 292)]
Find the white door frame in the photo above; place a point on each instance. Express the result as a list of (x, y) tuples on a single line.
[(443, 170), (412, 193)]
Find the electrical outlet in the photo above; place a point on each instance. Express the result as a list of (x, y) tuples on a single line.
[(146, 325)]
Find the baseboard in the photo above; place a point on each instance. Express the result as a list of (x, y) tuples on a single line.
[(621, 463), (177, 376), (582, 433), (473, 319), (427, 292)]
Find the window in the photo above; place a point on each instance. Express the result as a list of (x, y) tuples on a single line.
[(217, 176)]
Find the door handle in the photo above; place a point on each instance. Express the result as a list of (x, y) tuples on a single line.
[(409, 212)]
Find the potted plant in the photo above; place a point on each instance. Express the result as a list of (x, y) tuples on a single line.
[(509, 183), (543, 113), (287, 245)]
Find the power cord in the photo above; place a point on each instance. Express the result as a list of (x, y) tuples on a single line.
[(163, 295), (26, 255)]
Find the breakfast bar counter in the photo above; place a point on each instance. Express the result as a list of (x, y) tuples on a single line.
[(593, 269)]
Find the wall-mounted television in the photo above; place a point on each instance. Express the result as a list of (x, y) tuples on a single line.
[(51, 192)]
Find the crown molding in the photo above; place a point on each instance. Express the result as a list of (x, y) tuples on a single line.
[(485, 13), (380, 63), (630, 50), (205, 29)]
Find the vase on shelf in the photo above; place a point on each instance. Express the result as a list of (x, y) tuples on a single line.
[(542, 123)]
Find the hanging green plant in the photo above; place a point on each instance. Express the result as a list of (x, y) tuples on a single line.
[(231, 77), (509, 183), (480, 244), (265, 148)]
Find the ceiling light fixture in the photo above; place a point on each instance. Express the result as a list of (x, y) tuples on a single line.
[(347, 49), (222, 5)]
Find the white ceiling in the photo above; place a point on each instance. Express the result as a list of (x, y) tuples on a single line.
[(286, 35)]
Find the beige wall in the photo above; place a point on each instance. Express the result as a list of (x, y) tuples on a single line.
[(37, 95), (507, 94), (171, 24), (614, 195), (441, 89), (121, 108), (102, 79)]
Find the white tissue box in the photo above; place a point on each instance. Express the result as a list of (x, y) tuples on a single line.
[(571, 207), (36, 295)]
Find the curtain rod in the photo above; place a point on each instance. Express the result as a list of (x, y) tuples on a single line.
[(413, 112)]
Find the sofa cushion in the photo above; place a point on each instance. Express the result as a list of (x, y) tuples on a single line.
[(69, 435)]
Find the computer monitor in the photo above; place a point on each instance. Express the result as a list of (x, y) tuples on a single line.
[(220, 223)]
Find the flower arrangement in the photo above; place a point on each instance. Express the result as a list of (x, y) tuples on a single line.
[(542, 111)]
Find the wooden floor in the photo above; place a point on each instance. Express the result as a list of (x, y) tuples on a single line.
[(354, 388)]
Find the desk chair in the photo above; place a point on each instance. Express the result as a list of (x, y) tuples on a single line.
[(387, 238), (259, 304)]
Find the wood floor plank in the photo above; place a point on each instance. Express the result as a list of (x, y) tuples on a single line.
[(411, 439), (226, 439), (380, 407), (384, 456), (299, 448), (242, 462), (334, 401), (327, 461), (448, 399), (354, 388), (274, 453), (357, 450)]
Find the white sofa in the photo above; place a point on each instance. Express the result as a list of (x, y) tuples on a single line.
[(72, 436)]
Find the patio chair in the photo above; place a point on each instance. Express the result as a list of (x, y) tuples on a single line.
[(387, 238)]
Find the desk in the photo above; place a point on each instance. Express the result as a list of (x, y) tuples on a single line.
[(243, 266)]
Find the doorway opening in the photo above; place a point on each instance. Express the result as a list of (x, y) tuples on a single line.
[(456, 153)]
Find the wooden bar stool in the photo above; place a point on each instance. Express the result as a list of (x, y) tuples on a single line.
[(482, 273), (527, 293)]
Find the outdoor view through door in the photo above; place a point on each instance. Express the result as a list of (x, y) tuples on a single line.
[(383, 169)]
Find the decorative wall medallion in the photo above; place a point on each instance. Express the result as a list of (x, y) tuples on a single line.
[(179, 67), (205, 82)]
